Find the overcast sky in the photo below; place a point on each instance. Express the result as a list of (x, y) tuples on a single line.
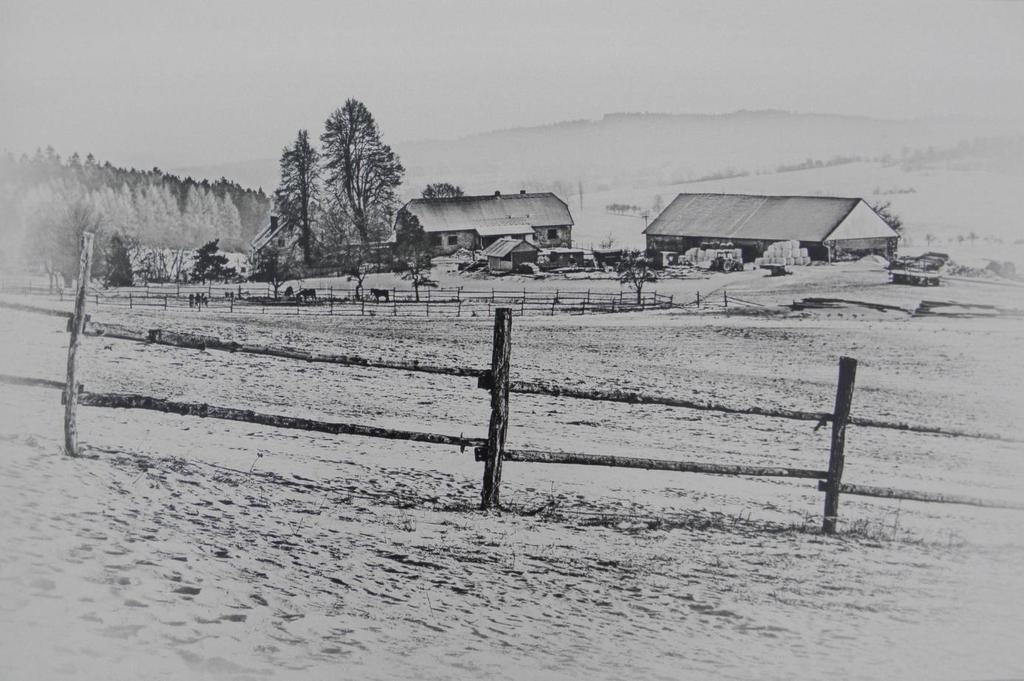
[(175, 82)]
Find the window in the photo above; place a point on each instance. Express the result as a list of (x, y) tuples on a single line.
[(552, 233), (453, 239), (435, 239), (280, 242)]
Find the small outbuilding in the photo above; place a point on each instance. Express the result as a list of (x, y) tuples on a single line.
[(506, 255), (557, 258), (829, 227)]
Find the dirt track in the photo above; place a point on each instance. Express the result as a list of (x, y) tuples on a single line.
[(365, 559)]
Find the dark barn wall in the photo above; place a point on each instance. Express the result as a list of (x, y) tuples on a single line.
[(466, 239), (563, 238), (852, 249)]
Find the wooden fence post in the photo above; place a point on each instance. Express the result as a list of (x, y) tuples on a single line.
[(836, 459), (130, 302), (698, 299), (725, 298), (77, 327), (498, 428)]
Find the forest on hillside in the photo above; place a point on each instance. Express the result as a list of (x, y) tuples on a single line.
[(148, 208)]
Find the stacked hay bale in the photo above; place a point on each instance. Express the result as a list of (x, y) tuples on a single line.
[(702, 257), (785, 253)]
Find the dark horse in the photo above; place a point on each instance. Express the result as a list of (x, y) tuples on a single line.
[(307, 294), (379, 293)]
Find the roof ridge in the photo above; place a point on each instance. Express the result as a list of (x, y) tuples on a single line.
[(773, 196), (479, 197)]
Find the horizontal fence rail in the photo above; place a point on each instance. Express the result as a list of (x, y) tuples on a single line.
[(541, 456), (911, 495), (201, 342)]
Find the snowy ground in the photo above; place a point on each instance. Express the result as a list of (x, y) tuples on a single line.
[(209, 549)]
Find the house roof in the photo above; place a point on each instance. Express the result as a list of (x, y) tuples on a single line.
[(502, 247), (747, 216), (542, 209), (267, 234)]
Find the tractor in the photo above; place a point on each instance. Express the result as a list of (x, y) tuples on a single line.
[(726, 261)]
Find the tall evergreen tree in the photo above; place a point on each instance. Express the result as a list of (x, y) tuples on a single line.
[(118, 263), (299, 193), (363, 173)]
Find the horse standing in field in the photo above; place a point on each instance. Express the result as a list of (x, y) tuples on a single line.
[(379, 293), (307, 294)]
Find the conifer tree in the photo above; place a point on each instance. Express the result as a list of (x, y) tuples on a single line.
[(299, 193)]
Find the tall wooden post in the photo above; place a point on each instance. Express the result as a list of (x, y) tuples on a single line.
[(499, 379), (77, 327), (836, 459)]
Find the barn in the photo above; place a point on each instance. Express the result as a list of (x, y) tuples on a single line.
[(476, 222), (506, 255), (830, 228)]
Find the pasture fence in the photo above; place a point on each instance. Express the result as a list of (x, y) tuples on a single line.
[(394, 302), (496, 379)]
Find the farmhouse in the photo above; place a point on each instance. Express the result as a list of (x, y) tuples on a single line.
[(830, 228), (476, 222), (506, 255), (274, 235)]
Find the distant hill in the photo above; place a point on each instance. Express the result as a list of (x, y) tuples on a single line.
[(636, 149)]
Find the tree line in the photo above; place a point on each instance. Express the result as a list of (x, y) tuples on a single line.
[(46, 202)]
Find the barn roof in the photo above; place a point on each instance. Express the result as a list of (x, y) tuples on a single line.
[(502, 247), (501, 226), (542, 209), (747, 216)]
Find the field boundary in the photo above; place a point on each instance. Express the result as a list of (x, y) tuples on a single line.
[(496, 380)]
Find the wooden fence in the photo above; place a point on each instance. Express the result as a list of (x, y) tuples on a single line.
[(496, 379), (330, 301)]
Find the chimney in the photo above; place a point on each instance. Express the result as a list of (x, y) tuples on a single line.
[(273, 222), (522, 192), (497, 194)]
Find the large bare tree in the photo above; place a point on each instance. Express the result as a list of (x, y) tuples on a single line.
[(299, 193), (55, 236), (363, 173)]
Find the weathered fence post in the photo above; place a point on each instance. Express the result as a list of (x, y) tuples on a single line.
[(498, 428), (698, 299), (130, 303), (836, 459), (77, 327), (725, 298), (165, 302)]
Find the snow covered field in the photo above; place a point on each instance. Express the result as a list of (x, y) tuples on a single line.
[(209, 549)]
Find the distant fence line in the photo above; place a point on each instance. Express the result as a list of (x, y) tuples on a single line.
[(491, 451), (331, 301)]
